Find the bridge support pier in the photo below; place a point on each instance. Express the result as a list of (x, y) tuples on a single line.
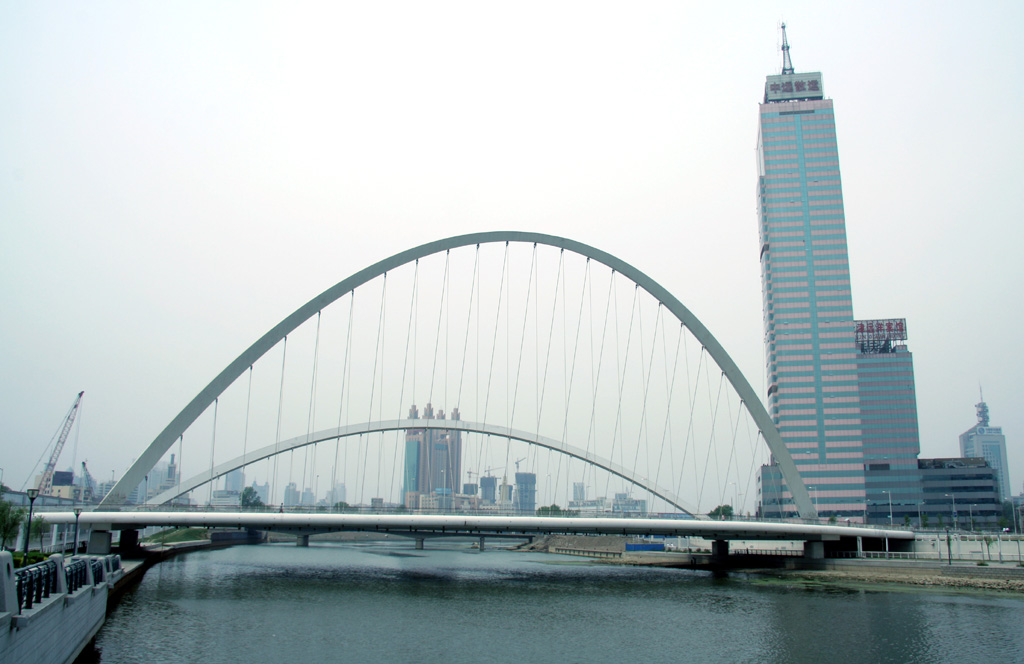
[(814, 550), (419, 543), (302, 540), (720, 549), (482, 543), (129, 540), (99, 543)]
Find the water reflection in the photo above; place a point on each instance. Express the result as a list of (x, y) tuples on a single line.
[(388, 602)]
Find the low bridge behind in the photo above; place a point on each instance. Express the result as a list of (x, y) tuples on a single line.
[(817, 537)]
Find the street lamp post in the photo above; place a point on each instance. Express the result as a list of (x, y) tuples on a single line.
[(953, 515), (74, 547), (32, 494)]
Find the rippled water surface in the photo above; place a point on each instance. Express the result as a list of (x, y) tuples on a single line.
[(388, 602)]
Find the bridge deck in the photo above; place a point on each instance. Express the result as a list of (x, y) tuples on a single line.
[(475, 525)]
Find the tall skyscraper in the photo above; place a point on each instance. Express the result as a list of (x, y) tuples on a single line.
[(810, 344), (988, 442), (433, 457)]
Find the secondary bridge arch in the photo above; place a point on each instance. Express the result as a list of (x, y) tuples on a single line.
[(166, 438), (442, 425)]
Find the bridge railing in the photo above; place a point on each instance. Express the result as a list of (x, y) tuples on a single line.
[(33, 585), (36, 583)]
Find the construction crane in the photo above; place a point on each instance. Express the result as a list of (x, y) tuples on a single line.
[(46, 479), (486, 471), (88, 486), (518, 462)]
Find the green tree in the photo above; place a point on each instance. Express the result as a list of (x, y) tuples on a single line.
[(924, 520), (721, 512), (832, 519), (250, 498), (10, 521), (549, 510), (940, 522), (39, 529), (906, 520), (342, 506)]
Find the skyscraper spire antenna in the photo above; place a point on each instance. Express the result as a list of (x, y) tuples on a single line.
[(787, 64)]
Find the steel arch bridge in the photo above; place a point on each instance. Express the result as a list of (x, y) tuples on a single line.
[(191, 412)]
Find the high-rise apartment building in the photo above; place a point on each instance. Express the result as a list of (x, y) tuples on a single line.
[(525, 496), (988, 442), (809, 334), (489, 489)]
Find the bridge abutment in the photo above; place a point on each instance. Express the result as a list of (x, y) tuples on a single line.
[(302, 540), (419, 543), (814, 550), (720, 549), (482, 543)]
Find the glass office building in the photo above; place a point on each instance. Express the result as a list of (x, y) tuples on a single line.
[(988, 442), (889, 428), (809, 335)]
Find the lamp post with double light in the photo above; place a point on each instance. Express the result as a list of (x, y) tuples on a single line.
[(953, 496)]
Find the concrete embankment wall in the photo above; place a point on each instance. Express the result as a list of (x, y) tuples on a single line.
[(56, 628), (923, 568)]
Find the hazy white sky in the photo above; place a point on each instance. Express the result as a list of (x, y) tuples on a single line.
[(175, 178)]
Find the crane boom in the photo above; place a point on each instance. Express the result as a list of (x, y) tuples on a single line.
[(46, 480)]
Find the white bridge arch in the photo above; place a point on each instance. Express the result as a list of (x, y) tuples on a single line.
[(163, 442), (401, 425)]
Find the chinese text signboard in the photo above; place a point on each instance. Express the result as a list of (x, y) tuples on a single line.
[(785, 87), (877, 331)]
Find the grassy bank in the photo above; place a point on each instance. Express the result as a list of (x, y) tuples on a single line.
[(174, 535)]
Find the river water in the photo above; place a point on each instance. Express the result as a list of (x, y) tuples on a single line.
[(386, 602)]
